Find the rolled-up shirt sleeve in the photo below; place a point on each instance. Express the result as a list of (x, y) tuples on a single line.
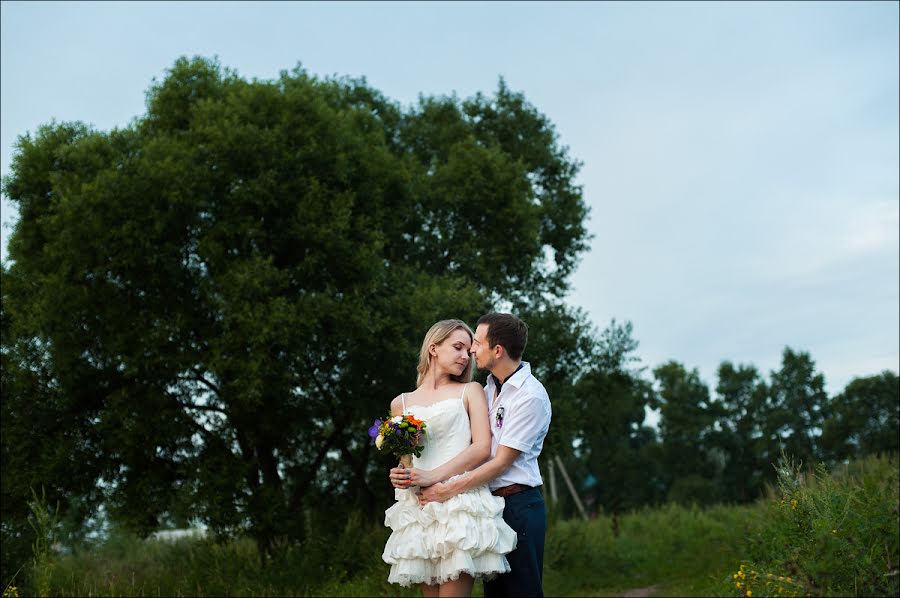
[(526, 422)]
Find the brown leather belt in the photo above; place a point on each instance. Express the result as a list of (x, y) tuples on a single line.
[(510, 490)]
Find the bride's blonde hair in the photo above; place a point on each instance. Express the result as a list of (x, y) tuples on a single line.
[(437, 334)]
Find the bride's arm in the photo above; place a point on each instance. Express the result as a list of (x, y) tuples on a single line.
[(473, 455), (397, 405), (398, 479)]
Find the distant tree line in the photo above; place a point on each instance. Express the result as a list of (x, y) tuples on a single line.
[(710, 445), (203, 312)]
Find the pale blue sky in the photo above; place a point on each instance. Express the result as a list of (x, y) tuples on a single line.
[(740, 159)]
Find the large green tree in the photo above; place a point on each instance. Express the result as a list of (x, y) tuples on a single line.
[(211, 302)]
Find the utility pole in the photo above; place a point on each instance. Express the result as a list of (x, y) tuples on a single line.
[(554, 497), (562, 470)]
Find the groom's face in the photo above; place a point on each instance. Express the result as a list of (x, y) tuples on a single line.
[(481, 350)]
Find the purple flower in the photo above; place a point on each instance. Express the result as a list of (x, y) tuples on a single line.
[(373, 431)]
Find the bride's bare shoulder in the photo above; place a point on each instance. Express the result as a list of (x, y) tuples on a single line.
[(397, 403), (474, 390)]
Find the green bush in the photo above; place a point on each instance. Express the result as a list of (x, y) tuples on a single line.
[(826, 534)]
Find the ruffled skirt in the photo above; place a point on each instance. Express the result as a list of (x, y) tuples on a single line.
[(436, 543)]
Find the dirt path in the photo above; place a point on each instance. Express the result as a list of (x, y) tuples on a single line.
[(641, 592)]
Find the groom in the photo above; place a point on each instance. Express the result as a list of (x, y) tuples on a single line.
[(519, 411)]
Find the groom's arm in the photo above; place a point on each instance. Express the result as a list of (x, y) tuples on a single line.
[(526, 423), (477, 477)]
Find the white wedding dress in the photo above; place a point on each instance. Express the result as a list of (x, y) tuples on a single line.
[(466, 534)]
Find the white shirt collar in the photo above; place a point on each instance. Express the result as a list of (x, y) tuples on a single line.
[(516, 380)]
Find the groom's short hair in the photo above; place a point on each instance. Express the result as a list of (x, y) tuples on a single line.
[(506, 330)]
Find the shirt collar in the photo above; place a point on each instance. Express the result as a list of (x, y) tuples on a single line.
[(515, 379)]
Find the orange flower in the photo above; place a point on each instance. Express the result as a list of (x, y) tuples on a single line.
[(415, 422)]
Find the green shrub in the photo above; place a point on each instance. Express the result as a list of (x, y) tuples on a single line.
[(826, 534)]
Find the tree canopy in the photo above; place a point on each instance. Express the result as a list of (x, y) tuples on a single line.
[(211, 302)]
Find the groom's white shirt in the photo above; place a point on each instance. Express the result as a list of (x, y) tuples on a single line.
[(526, 419)]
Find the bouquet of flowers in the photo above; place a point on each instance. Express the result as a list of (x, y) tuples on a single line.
[(400, 435)]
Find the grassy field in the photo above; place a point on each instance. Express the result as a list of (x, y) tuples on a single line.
[(681, 551), (824, 534)]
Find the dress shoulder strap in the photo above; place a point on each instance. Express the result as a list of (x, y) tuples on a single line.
[(403, 400), (463, 393)]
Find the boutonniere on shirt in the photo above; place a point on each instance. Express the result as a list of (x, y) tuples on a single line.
[(499, 417)]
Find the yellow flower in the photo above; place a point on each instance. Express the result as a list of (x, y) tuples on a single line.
[(749, 592), (834, 531)]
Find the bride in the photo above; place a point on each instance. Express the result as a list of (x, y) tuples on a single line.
[(445, 546)]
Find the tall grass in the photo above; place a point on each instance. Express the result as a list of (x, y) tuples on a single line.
[(839, 538), (346, 564), (654, 546), (684, 551)]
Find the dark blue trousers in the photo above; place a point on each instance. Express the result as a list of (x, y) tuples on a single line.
[(525, 513)]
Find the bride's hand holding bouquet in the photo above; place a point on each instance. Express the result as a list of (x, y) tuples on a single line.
[(403, 437)]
